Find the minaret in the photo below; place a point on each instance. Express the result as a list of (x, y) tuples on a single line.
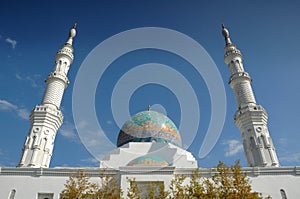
[(250, 117), (45, 119)]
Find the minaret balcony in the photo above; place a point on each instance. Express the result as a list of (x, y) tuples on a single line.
[(43, 108), (240, 76), (256, 111), (58, 75), (65, 52), (46, 115), (233, 51)]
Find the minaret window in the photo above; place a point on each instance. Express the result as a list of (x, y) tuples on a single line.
[(237, 65), (283, 194), (270, 141), (252, 143), (259, 140), (45, 195), (27, 141), (265, 141), (33, 141), (12, 194), (43, 143)]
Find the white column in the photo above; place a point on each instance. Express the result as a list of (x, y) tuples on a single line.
[(46, 118), (250, 117)]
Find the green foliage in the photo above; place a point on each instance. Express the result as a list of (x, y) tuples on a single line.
[(133, 192), (79, 187), (232, 182), (177, 189), (228, 182), (195, 189), (109, 188)]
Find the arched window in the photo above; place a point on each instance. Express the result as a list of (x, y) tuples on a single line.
[(33, 141), (45, 196), (252, 143), (12, 194), (43, 143), (283, 194)]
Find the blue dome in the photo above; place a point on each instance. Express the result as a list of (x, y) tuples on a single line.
[(149, 126), (148, 160)]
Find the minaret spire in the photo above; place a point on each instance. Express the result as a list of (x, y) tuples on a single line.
[(45, 119), (250, 117), (72, 34), (225, 33)]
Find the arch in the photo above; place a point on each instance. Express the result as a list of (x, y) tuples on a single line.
[(283, 194), (33, 141)]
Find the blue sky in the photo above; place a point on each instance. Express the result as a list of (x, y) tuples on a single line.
[(266, 32)]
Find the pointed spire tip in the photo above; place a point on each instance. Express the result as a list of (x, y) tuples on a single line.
[(225, 34), (72, 33)]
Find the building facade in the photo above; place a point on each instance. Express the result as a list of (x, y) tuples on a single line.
[(149, 147)]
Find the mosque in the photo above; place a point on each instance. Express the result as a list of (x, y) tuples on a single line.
[(149, 146)]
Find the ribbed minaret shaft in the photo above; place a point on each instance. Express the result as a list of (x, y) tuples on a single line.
[(250, 117), (45, 119)]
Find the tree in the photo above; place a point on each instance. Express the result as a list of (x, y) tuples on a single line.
[(108, 188), (232, 182), (133, 192), (241, 183), (228, 182), (177, 189), (79, 187)]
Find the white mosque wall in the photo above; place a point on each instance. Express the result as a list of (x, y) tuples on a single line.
[(30, 182)]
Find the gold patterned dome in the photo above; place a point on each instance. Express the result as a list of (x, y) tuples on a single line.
[(149, 126)]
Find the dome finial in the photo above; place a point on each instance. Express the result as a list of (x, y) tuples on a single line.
[(149, 107), (225, 34), (72, 34)]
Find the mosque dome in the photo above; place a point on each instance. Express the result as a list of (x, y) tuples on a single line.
[(149, 126)]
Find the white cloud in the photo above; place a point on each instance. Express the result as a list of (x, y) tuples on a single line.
[(82, 125), (90, 160), (23, 113), (283, 142), (109, 122), (12, 42), (232, 147), (291, 157), (28, 79), (96, 142), (68, 131), (7, 106)]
